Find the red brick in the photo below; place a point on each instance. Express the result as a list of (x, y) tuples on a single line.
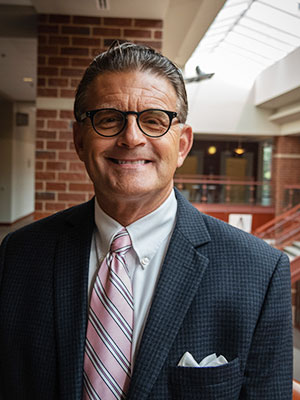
[(76, 166), (47, 71), (39, 186), (59, 19), (39, 165), (112, 32), (75, 82), (43, 113), (47, 176), (55, 206), (74, 51), (56, 145), (48, 50), (44, 196), (71, 72), (45, 155), (46, 134), (80, 62), (42, 39), (148, 23), (81, 187), (66, 93), (38, 205), (72, 176), (75, 30), (66, 114), (118, 21), (47, 92), (137, 33), (158, 34), (57, 82), (41, 60), (65, 135), (71, 196), (84, 41), (67, 155), (61, 61), (41, 82), (62, 40), (39, 144), (86, 20), (71, 146), (56, 186), (56, 165), (40, 123), (47, 28), (52, 124)]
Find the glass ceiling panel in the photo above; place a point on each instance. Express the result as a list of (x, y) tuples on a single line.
[(248, 32), (269, 30), (262, 36), (254, 46), (290, 6), (278, 19), (245, 53)]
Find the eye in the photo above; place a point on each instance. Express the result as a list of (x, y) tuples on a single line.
[(106, 119)]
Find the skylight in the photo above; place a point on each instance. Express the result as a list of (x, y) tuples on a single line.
[(246, 37)]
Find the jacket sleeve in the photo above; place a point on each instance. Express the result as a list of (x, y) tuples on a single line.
[(269, 368)]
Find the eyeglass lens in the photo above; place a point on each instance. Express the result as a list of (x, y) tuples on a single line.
[(151, 122)]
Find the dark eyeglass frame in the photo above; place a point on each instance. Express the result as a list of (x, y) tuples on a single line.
[(91, 114)]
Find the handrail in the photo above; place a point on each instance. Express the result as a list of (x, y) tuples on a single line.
[(288, 215)]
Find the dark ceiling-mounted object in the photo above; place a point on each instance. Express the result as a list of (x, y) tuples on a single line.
[(200, 76)]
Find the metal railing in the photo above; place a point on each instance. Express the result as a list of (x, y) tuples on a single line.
[(283, 229), (218, 189)]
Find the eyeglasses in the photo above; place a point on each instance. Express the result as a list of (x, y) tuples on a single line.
[(110, 122)]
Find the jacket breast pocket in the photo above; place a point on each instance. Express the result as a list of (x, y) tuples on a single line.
[(208, 383)]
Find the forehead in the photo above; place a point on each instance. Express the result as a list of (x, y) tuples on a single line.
[(131, 89)]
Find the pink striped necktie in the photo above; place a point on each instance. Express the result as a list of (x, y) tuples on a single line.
[(107, 359)]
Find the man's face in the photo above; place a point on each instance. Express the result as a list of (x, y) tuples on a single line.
[(131, 166)]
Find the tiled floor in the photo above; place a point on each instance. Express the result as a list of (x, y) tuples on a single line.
[(5, 229)]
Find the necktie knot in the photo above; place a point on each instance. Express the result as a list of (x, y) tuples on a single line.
[(121, 242)]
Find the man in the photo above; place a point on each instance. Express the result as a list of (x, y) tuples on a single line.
[(199, 286)]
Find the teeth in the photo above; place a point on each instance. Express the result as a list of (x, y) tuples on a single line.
[(132, 162)]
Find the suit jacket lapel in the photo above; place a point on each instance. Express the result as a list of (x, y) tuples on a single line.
[(70, 297), (180, 277)]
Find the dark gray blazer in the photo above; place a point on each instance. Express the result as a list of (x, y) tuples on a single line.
[(220, 291)]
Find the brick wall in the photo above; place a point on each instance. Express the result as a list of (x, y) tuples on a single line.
[(66, 45), (286, 167)]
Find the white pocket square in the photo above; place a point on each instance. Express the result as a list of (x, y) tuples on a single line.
[(187, 360)]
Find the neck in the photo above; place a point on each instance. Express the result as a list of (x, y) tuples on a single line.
[(127, 210)]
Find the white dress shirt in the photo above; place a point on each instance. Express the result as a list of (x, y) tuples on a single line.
[(150, 238)]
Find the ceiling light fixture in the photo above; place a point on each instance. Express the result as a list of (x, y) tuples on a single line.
[(239, 150), (212, 150)]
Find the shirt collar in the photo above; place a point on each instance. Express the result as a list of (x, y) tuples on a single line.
[(147, 233)]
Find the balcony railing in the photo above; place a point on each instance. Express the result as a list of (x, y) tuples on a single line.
[(212, 189)]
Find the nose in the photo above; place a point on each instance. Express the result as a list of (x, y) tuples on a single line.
[(131, 136)]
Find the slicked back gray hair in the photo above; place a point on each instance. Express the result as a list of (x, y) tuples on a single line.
[(126, 57)]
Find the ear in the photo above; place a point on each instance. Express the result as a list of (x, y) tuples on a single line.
[(185, 144), (78, 139)]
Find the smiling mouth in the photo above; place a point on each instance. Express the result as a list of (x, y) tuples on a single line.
[(129, 162)]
